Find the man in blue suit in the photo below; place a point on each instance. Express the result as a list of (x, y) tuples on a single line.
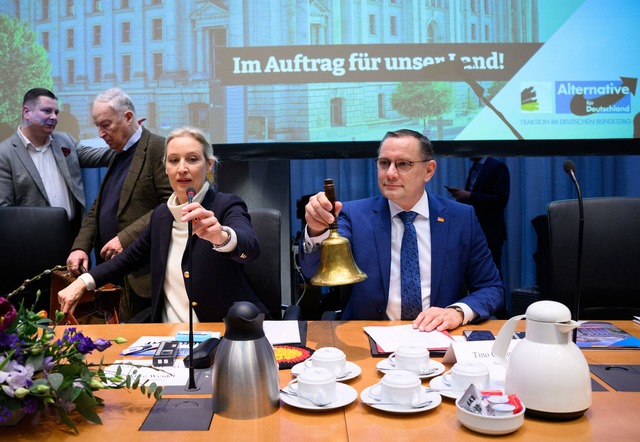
[(459, 282)]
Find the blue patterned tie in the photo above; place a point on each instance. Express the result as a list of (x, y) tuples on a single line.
[(410, 289)]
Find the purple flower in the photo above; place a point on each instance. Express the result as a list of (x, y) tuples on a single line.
[(84, 343), (14, 376), (47, 363), (30, 405), (9, 341), (102, 344), (8, 314), (5, 413)]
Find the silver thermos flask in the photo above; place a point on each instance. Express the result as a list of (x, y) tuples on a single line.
[(245, 371)]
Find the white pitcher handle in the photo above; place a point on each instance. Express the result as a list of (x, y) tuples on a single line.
[(501, 344)]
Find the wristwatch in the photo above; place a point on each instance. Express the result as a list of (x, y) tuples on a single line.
[(226, 241), (459, 310)]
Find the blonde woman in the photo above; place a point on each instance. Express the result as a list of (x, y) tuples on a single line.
[(223, 239)]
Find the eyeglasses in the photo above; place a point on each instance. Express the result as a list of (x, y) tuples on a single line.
[(402, 166)]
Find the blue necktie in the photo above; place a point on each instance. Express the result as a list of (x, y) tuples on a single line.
[(410, 289)]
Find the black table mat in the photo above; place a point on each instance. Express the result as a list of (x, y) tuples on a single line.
[(618, 377), (179, 415), (204, 382)]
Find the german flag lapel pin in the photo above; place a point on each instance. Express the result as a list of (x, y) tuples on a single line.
[(440, 219)]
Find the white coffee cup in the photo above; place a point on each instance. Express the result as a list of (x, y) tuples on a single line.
[(331, 358), (463, 374), (315, 384), (411, 358), (398, 387)]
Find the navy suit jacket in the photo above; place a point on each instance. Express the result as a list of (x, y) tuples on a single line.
[(217, 278), (459, 258)]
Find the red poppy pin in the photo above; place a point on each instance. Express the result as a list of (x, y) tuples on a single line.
[(66, 151)]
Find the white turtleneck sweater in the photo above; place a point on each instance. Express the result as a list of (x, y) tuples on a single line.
[(176, 301)]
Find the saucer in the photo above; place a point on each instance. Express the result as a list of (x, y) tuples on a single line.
[(349, 367), (345, 395), (445, 390), (434, 397), (385, 366)]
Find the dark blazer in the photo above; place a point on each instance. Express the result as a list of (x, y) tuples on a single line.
[(489, 198), (459, 258), (217, 278), (21, 183), (145, 187)]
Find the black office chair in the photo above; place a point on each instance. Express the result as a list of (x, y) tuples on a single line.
[(32, 239), (263, 274), (610, 276)]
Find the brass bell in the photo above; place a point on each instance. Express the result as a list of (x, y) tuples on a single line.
[(337, 266)]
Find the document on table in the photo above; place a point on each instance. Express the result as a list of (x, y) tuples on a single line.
[(388, 338), (277, 332), (282, 332), (163, 376), (154, 342)]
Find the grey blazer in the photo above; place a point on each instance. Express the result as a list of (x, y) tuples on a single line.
[(20, 182)]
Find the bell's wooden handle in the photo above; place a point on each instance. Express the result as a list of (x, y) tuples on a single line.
[(330, 193)]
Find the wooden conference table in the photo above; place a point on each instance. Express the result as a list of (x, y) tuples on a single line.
[(612, 416)]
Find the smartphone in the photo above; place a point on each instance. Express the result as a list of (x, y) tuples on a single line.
[(478, 335)]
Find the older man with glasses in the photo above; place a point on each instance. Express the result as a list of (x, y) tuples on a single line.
[(426, 257)]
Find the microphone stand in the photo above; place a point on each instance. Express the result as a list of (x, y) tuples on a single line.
[(192, 377), (579, 263), (576, 306)]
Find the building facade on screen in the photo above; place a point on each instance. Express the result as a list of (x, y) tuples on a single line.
[(164, 54)]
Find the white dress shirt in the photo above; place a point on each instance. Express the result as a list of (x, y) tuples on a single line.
[(423, 231), (57, 192)]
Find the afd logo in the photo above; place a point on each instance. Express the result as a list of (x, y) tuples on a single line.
[(536, 97), (595, 97)]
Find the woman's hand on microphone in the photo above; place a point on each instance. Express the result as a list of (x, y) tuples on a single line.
[(205, 223)]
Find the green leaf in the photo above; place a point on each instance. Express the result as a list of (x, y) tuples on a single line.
[(55, 380), (64, 417), (36, 361), (76, 392), (85, 405)]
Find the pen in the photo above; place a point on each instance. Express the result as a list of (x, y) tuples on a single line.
[(139, 349)]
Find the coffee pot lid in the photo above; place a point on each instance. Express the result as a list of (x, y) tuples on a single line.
[(243, 322), (548, 311)]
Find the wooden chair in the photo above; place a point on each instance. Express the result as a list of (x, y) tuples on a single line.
[(100, 306)]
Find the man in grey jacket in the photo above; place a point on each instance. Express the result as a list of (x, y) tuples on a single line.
[(41, 168)]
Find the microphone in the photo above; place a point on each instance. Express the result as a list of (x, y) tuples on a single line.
[(570, 168), (191, 192)]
